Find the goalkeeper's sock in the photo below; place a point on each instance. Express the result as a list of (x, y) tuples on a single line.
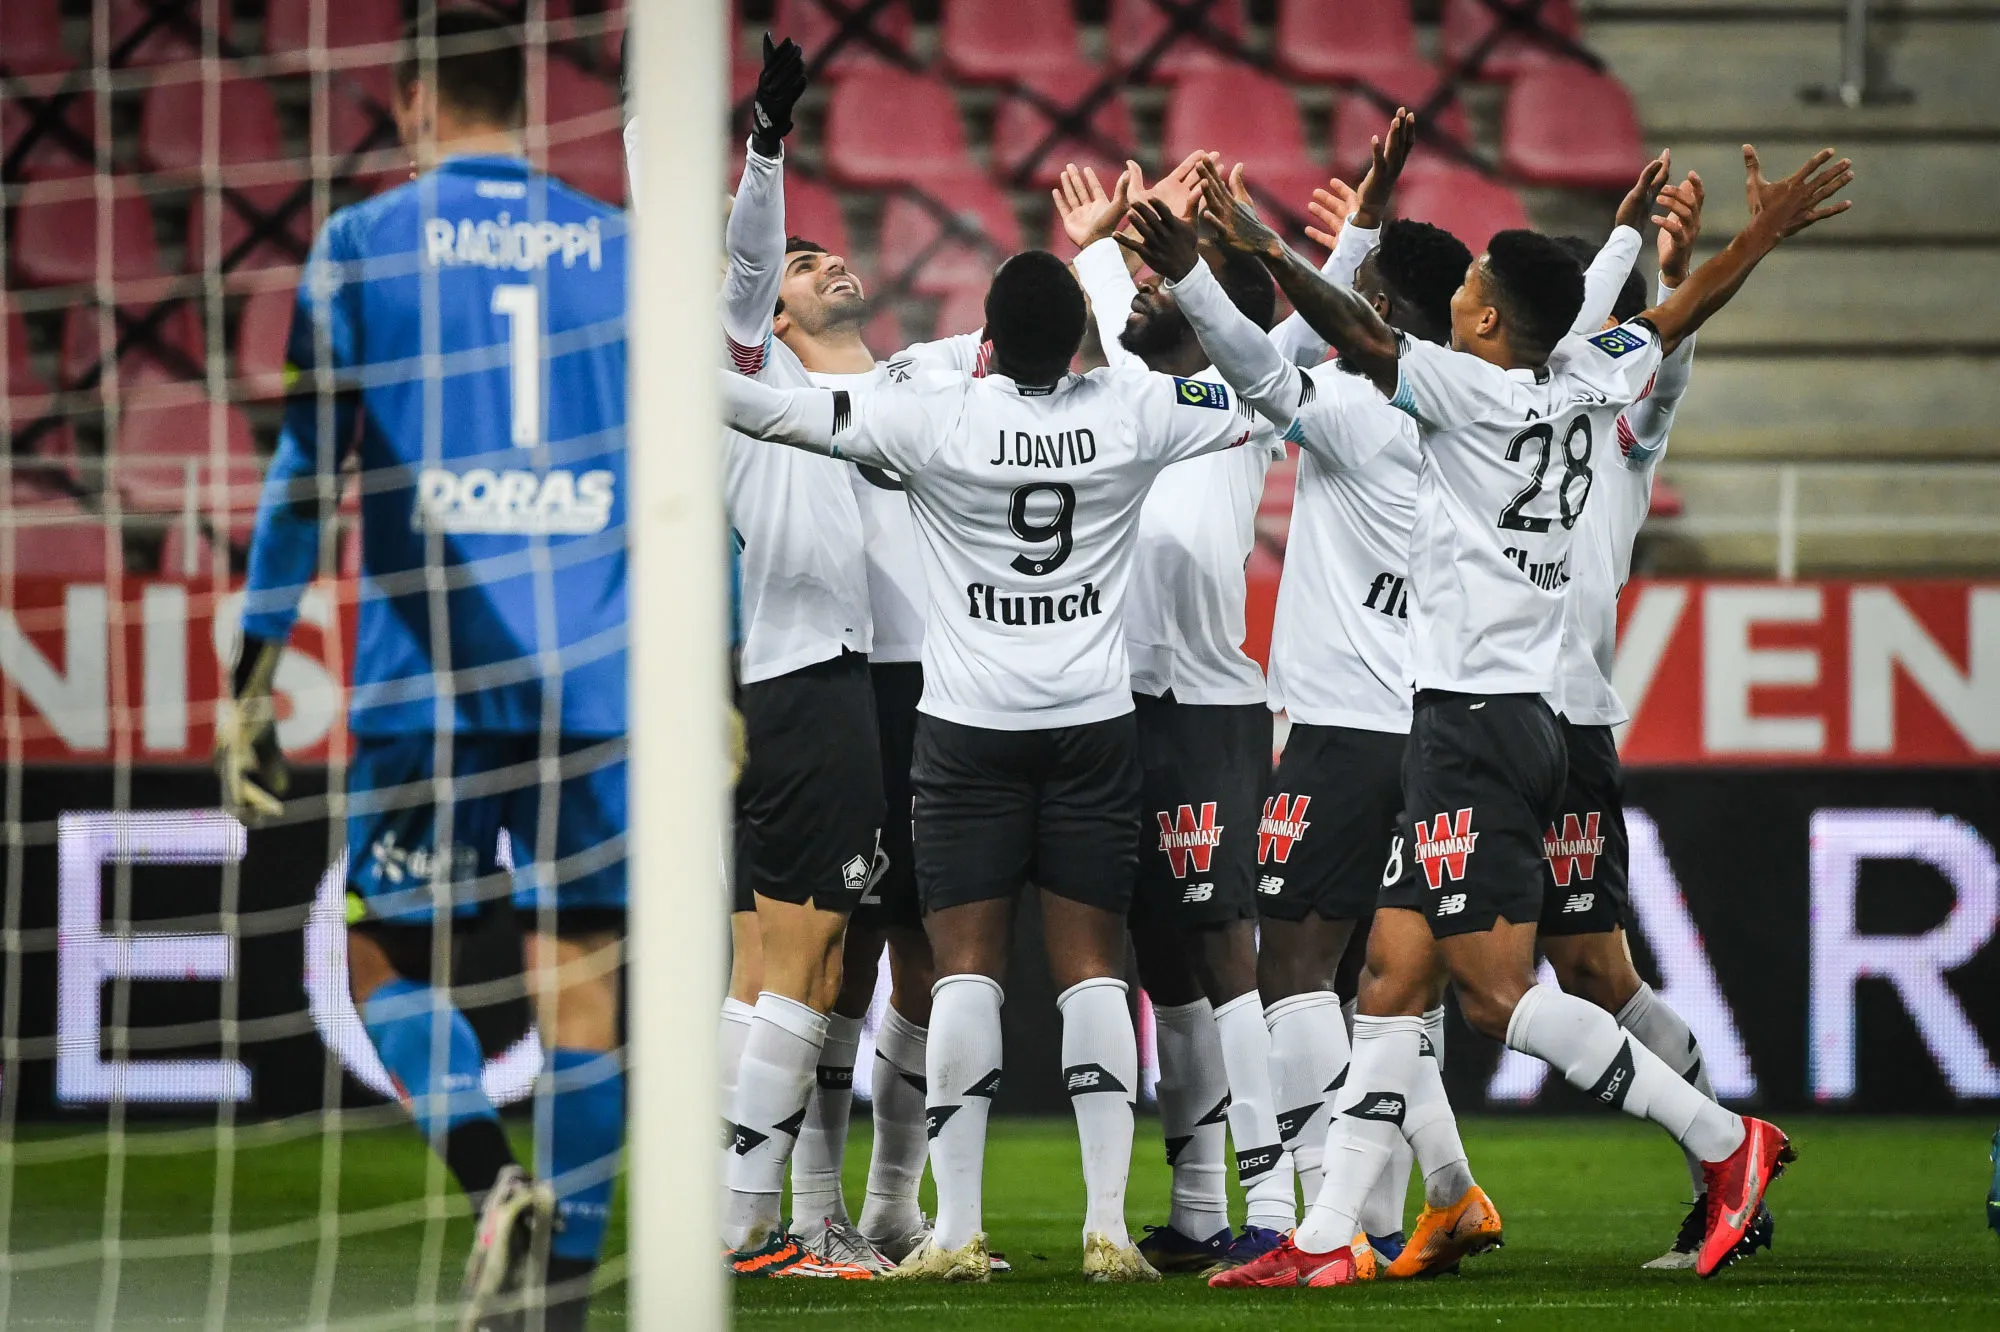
[(963, 1071), (896, 1168), (816, 1197), (1261, 1164), (1667, 1034), (1586, 1045), (771, 1090), (450, 1109), (1194, 1105), (1308, 1063), (587, 1128), (1100, 1058)]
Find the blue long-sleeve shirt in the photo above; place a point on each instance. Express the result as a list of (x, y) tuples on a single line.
[(465, 335)]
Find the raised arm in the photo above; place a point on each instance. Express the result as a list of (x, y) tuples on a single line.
[(756, 230), (1350, 228), (897, 426), (1648, 421), (1778, 209), (1605, 277), (1089, 217)]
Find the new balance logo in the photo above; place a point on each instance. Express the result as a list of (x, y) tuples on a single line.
[(1198, 892), (1575, 850), (1379, 1105), (1189, 841), (1443, 844), (1083, 1079), (1271, 885), (1284, 822), (1451, 904), (988, 1086), (1578, 903), (1217, 1115)]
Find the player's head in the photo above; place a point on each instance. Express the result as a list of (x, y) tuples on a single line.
[(1631, 297), (1156, 325), (817, 294), (1410, 276), (1034, 318), (1518, 301), (472, 82)]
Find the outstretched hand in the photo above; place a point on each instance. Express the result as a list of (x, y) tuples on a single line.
[(1787, 207), (1167, 244), (1179, 189), (1229, 209), (1334, 206), (1638, 201), (1387, 155), (1088, 214), (1679, 221), (779, 86)]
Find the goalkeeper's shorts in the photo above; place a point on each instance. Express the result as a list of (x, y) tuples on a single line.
[(410, 854)]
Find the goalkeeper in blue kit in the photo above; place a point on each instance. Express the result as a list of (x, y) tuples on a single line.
[(464, 334)]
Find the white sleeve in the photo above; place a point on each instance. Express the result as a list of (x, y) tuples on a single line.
[(1643, 429), (1181, 418), (1101, 270), (756, 235), (632, 159), (1605, 278), (1344, 421), (1294, 338), (1243, 354), (959, 354), (1620, 360), (889, 426), (1442, 388)]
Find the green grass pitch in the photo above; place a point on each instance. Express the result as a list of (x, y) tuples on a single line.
[(1879, 1225)]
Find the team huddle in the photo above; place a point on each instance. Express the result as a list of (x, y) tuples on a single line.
[(990, 638)]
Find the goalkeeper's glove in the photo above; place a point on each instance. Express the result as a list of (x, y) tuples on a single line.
[(247, 759), (779, 87)]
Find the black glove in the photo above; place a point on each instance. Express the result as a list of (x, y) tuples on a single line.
[(247, 758), (779, 88)]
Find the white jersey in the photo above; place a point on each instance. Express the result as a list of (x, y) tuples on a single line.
[(1184, 620), (1510, 458), (1601, 558), (896, 599), (1027, 514)]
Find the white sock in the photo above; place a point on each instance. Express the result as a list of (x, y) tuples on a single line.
[(1431, 1127), (1667, 1034), (1382, 1210), (1194, 1102), (772, 1084), (816, 1161), (731, 1032), (1369, 1121), (963, 1069), (1261, 1165), (1585, 1044), (1308, 1061), (896, 1169), (1100, 1057)]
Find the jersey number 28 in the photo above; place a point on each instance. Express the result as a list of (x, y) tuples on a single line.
[(1570, 497)]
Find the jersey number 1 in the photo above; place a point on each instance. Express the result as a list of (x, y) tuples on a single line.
[(521, 307)]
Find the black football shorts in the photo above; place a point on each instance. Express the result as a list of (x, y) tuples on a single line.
[(1584, 846), (891, 899), (1329, 823), (1482, 779), (1204, 771)]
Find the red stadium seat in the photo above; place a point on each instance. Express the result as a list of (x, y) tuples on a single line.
[(1668, 502), (1357, 118), (1135, 25), (261, 333), (64, 541), (1020, 126), (62, 146), (31, 37), (55, 235), (1249, 117), (157, 442), (175, 356), (963, 310), (170, 127), (893, 127), (987, 43), (1571, 127), (291, 26), (158, 32), (815, 24), (585, 148), (910, 231), (242, 209), (596, 166), (1463, 202), (812, 211), (884, 334), (1354, 39), (1282, 194), (1466, 24)]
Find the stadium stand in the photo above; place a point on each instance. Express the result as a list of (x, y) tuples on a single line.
[(55, 234), (172, 134), (1543, 140), (1022, 150), (31, 37), (870, 37), (1163, 41), (985, 43), (891, 128), (1361, 39)]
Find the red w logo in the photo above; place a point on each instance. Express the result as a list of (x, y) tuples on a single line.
[(1575, 851), (1183, 839), (1284, 822), (1443, 845)]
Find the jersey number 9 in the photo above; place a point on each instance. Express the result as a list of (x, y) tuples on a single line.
[(1056, 528)]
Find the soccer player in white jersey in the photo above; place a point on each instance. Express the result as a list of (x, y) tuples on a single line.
[(1205, 758), (1490, 556), (809, 801), (1586, 907), (1026, 488)]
